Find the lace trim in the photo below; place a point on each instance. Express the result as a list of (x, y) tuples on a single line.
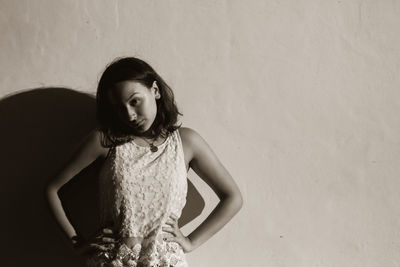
[(157, 254)]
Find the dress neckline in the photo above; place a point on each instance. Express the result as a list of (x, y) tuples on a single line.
[(148, 147)]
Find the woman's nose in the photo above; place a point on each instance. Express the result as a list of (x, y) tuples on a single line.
[(131, 114)]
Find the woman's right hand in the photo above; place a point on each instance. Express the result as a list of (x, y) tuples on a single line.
[(104, 240)]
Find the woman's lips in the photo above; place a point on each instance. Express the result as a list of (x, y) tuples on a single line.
[(139, 124)]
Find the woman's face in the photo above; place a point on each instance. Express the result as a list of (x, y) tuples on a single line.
[(135, 103)]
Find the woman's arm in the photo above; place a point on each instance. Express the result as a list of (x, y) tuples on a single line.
[(206, 164), (89, 150)]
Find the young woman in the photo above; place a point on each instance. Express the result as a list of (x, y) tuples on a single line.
[(143, 179)]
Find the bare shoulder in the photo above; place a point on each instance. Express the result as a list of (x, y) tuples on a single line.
[(187, 132), (194, 144), (190, 138)]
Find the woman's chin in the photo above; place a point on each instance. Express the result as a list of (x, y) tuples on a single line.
[(142, 129)]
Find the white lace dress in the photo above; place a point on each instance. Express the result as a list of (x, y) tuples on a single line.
[(139, 190)]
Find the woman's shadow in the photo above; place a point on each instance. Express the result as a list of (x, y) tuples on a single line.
[(41, 129)]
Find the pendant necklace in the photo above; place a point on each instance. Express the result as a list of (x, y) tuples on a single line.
[(153, 148)]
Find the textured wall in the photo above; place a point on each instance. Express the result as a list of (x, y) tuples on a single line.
[(300, 100)]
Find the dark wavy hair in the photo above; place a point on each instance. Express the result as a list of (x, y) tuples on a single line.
[(114, 130)]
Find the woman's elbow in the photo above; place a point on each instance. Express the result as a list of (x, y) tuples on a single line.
[(238, 201), (235, 200), (50, 189)]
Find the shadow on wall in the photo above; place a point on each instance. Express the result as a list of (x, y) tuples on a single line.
[(41, 129)]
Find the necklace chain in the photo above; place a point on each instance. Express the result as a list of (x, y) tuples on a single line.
[(153, 148)]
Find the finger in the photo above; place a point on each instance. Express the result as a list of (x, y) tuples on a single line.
[(169, 230), (170, 223), (107, 231), (173, 224), (172, 220), (97, 246), (173, 217), (96, 239), (109, 245), (108, 240)]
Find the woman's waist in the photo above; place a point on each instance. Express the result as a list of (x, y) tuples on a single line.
[(157, 236)]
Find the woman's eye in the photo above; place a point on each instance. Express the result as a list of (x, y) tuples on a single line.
[(134, 102)]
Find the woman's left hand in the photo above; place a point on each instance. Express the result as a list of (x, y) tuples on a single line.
[(177, 237)]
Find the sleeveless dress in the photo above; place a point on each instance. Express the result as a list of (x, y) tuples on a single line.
[(139, 191)]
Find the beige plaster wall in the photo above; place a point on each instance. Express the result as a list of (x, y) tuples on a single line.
[(299, 99)]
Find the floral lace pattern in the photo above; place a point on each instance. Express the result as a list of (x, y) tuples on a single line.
[(160, 254), (139, 190)]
